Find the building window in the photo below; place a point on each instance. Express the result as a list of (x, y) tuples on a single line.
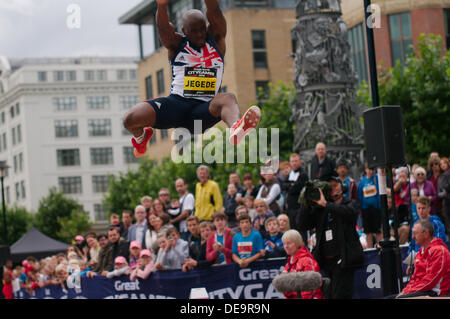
[(3, 118), (17, 185), (262, 90), (128, 101), (401, 36), (17, 109), (128, 155), (22, 188), (160, 80), (5, 145), (259, 49), (164, 134), (99, 127), (97, 102), (70, 185), (447, 26), (121, 75), (100, 183), (11, 112), (358, 51), (65, 103), (71, 75), (19, 133), (133, 74), (101, 156), (13, 136), (89, 75), (99, 212), (102, 75), (178, 9), (69, 157), (15, 165), (7, 194), (20, 162), (66, 128), (58, 76), (42, 76), (149, 87)]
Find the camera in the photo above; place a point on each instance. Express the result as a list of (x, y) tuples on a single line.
[(311, 192)]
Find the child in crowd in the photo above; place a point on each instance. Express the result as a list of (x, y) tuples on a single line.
[(135, 250), (247, 244), (248, 202), (120, 268), (147, 202), (273, 245), (369, 201), (200, 261), (219, 245), (175, 252), (144, 266), (114, 220), (414, 197), (31, 281)]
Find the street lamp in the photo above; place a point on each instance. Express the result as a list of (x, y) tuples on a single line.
[(3, 168)]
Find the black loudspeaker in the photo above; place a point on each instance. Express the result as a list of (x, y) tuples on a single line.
[(384, 135)]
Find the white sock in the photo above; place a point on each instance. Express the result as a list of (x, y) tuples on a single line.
[(141, 138)]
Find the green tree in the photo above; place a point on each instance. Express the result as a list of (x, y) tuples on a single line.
[(61, 217), (422, 88), (276, 113), (18, 221)]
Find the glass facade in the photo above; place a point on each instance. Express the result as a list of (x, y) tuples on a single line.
[(401, 36), (357, 43)]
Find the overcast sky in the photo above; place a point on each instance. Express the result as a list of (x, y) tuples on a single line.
[(45, 28)]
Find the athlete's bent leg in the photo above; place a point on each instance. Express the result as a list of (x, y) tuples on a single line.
[(138, 121), (225, 105)]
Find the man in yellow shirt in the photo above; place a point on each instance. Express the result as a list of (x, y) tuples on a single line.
[(207, 195)]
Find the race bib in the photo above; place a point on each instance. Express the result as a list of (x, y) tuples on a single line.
[(369, 191), (200, 82), (245, 248)]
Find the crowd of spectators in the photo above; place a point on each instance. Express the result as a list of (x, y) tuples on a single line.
[(244, 223)]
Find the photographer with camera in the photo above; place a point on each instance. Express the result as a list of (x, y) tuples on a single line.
[(338, 249)]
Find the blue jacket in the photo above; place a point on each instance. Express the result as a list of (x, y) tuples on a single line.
[(368, 192)]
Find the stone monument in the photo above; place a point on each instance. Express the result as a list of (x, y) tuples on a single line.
[(326, 108)]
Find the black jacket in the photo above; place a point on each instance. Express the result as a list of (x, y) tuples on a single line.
[(345, 214), (293, 189), (119, 248), (328, 169)]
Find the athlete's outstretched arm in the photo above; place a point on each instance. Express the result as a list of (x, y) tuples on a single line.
[(169, 38), (217, 23)]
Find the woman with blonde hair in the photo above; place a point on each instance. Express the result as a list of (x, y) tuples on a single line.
[(299, 259), (283, 220)]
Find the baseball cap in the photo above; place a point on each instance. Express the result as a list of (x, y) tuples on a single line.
[(79, 237), (120, 260), (145, 252), (135, 243)]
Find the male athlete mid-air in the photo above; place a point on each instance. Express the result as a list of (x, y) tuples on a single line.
[(197, 60)]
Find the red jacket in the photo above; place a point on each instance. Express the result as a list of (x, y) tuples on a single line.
[(211, 254), (302, 261), (432, 269)]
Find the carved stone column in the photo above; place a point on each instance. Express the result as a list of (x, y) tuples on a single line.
[(326, 104)]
